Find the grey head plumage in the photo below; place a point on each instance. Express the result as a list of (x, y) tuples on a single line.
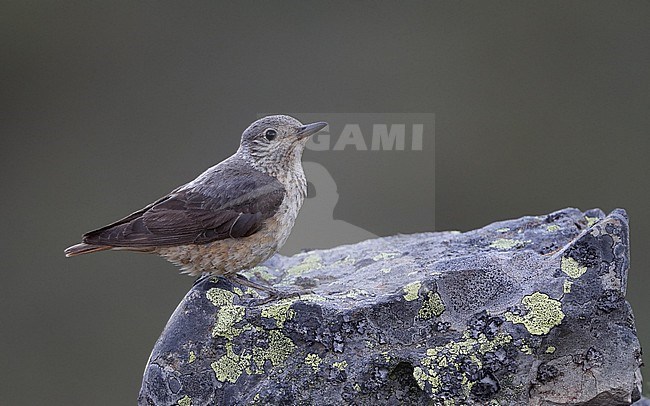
[(273, 144)]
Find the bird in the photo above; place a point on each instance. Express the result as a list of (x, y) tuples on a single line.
[(230, 218)]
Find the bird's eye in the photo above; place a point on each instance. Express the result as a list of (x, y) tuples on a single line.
[(270, 134)]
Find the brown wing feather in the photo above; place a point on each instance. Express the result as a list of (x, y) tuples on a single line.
[(231, 205)]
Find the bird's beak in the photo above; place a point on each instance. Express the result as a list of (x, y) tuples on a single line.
[(310, 129)]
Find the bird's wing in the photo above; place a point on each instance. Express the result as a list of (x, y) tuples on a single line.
[(230, 205)]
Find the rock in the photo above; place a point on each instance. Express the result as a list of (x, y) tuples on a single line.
[(522, 312)]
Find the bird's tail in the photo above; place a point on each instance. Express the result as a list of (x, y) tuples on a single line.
[(84, 248)]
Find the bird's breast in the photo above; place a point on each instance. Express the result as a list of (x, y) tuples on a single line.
[(235, 254)]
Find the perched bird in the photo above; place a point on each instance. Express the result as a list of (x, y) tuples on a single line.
[(232, 217)]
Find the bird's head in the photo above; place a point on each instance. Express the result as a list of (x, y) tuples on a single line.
[(274, 143)]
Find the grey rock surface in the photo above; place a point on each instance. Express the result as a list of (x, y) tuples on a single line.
[(529, 311)]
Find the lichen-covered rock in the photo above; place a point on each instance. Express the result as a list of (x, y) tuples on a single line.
[(523, 312)]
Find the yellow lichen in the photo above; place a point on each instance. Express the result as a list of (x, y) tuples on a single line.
[(191, 358), (490, 345), (450, 355), (566, 288), (552, 227), (411, 291), (230, 366), (506, 244), (261, 271), (543, 314), (311, 262), (220, 297), (228, 314), (313, 360), (431, 306), (550, 349), (572, 268), (340, 365), (591, 220), (227, 317), (279, 349), (386, 356), (185, 401), (280, 311), (355, 293), (422, 378)]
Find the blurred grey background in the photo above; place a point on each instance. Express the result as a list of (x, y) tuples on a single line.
[(105, 106)]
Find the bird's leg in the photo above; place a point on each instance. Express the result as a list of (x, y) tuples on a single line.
[(242, 280), (273, 293)]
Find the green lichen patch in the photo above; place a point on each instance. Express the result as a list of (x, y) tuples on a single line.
[(566, 287), (591, 220), (431, 306), (228, 314), (550, 349), (427, 380), (543, 314), (261, 271), (310, 263), (220, 297), (185, 401), (340, 365), (227, 317), (230, 367), (279, 349), (280, 311), (572, 268), (191, 358), (507, 244), (411, 291), (314, 361), (455, 359), (386, 356), (552, 227)]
